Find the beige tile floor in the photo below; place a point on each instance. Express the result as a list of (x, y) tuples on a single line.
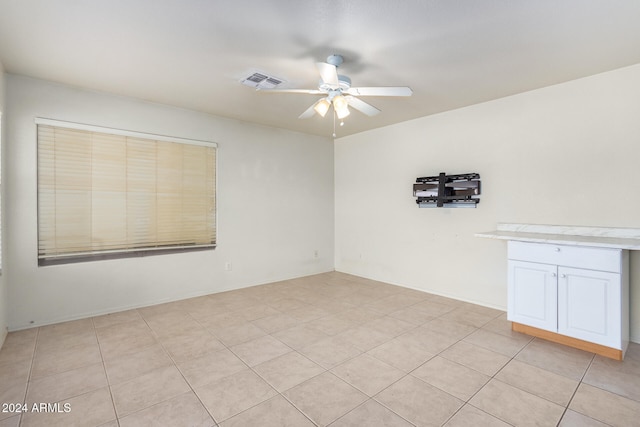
[(330, 349)]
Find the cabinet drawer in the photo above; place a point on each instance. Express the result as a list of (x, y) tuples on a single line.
[(602, 259)]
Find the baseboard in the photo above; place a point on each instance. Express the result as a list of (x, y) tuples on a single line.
[(440, 294), (3, 336), (112, 310)]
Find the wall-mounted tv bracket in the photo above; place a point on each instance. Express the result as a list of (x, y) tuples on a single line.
[(451, 191)]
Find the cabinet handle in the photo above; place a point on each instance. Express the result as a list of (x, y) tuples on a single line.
[(557, 249), (563, 276), (553, 274)]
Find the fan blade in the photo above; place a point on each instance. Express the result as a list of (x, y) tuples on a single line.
[(309, 112), (380, 91), (362, 106), (307, 91), (328, 73)]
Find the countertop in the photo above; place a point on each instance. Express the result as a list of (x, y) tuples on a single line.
[(604, 237)]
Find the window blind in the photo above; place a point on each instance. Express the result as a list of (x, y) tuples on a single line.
[(110, 191)]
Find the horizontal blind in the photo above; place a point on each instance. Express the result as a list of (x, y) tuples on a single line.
[(103, 193)]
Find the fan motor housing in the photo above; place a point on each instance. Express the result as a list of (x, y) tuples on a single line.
[(344, 83)]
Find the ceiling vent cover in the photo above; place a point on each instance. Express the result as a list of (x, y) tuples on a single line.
[(260, 80)]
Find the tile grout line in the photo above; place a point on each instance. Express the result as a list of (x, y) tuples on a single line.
[(127, 354), (33, 361), (379, 403), (467, 402), (292, 350), (326, 370), (259, 376), (565, 407), (294, 405), (409, 373), (175, 365), (228, 348), (68, 370), (580, 382), (106, 376)]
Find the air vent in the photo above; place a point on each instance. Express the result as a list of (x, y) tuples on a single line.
[(273, 81), (262, 81), (257, 78)]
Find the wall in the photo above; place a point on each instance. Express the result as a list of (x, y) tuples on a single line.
[(4, 316), (275, 209), (566, 154)]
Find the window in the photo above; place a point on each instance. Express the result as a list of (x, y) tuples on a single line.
[(105, 193)]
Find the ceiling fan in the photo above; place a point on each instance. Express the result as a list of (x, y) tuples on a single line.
[(338, 92)]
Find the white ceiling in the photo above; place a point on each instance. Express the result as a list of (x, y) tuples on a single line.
[(193, 53)]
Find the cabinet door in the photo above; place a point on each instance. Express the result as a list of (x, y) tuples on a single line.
[(532, 296), (589, 306)]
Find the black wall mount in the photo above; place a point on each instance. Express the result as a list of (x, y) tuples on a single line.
[(450, 191)]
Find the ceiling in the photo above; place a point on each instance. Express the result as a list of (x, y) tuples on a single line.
[(194, 53)]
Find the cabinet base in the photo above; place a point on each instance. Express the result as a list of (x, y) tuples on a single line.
[(609, 352)]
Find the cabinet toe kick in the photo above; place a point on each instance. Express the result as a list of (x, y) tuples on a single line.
[(611, 353)]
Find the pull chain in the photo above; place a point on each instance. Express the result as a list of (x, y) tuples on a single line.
[(334, 122)]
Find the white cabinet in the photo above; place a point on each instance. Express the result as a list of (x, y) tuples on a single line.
[(574, 291)]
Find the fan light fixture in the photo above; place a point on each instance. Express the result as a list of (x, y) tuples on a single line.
[(340, 104), (322, 107)]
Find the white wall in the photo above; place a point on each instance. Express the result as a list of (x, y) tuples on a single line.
[(4, 316), (275, 209), (566, 154)]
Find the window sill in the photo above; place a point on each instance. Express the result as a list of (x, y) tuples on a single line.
[(73, 259)]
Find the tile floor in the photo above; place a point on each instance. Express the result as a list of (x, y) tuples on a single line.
[(330, 349)]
